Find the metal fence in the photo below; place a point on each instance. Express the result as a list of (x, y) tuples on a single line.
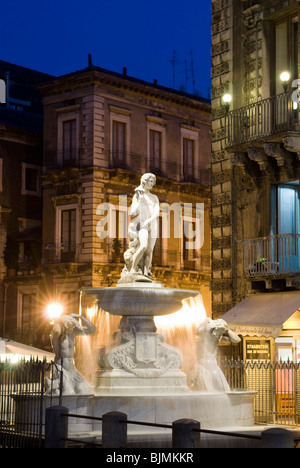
[(22, 387), (277, 387), (23, 399)]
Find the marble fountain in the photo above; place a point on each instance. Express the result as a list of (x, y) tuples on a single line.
[(140, 374)]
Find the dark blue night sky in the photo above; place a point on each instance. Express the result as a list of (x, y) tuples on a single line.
[(56, 37)]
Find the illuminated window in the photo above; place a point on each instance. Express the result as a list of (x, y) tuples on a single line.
[(285, 205), (285, 226)]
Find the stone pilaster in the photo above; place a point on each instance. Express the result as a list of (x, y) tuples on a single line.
[(220, 160)]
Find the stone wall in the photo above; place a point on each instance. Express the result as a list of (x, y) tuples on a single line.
[(242, 64), (222, 62)]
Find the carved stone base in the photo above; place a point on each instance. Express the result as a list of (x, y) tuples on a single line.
[(140, 362), (120, 382)]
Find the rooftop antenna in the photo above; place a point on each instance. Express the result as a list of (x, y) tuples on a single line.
[(174, 61), (90, 62), (192, 69)]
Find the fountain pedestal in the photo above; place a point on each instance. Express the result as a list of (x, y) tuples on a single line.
[(140, 362)]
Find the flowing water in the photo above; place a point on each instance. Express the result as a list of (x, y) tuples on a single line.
[(178, 329)]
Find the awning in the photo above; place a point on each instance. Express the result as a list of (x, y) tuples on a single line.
[(10, 348), (263, 314)]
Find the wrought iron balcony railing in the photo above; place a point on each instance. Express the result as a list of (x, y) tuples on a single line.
[(137, 162), (261, 119), (163, 167), (272, 256)]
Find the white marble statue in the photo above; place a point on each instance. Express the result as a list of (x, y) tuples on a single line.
[(208, 376), (142, 232), (63, 334)]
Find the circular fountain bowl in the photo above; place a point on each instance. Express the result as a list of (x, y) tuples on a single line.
[(139, 301)]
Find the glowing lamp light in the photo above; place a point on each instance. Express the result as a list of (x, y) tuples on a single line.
[(227, 98), (54, 310), (191, 313), (285, 78)]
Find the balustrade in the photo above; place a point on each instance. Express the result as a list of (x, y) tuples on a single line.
[(261, 119), (272, 255)]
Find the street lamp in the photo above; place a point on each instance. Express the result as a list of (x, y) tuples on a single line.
[(285, 78), (227, 98), (54, 311)]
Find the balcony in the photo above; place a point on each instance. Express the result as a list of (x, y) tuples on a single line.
[(272, 256), (133, 161), (260, 120), (163, 168)]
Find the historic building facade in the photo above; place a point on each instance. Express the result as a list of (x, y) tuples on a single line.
[(21, 159), (256, 168), (102, 131)]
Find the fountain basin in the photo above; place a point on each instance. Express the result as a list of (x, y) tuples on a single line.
[(140, 361), (140, 299), (214, 411)]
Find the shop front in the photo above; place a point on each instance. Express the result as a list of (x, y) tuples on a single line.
[(269, 325)]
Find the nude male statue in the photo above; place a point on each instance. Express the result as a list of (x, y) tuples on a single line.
[(63, 334), (142, 232), (145, 205)]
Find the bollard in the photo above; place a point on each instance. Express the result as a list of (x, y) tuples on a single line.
[(114, 430), (56, 427), (184, 435), (277, 438)]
